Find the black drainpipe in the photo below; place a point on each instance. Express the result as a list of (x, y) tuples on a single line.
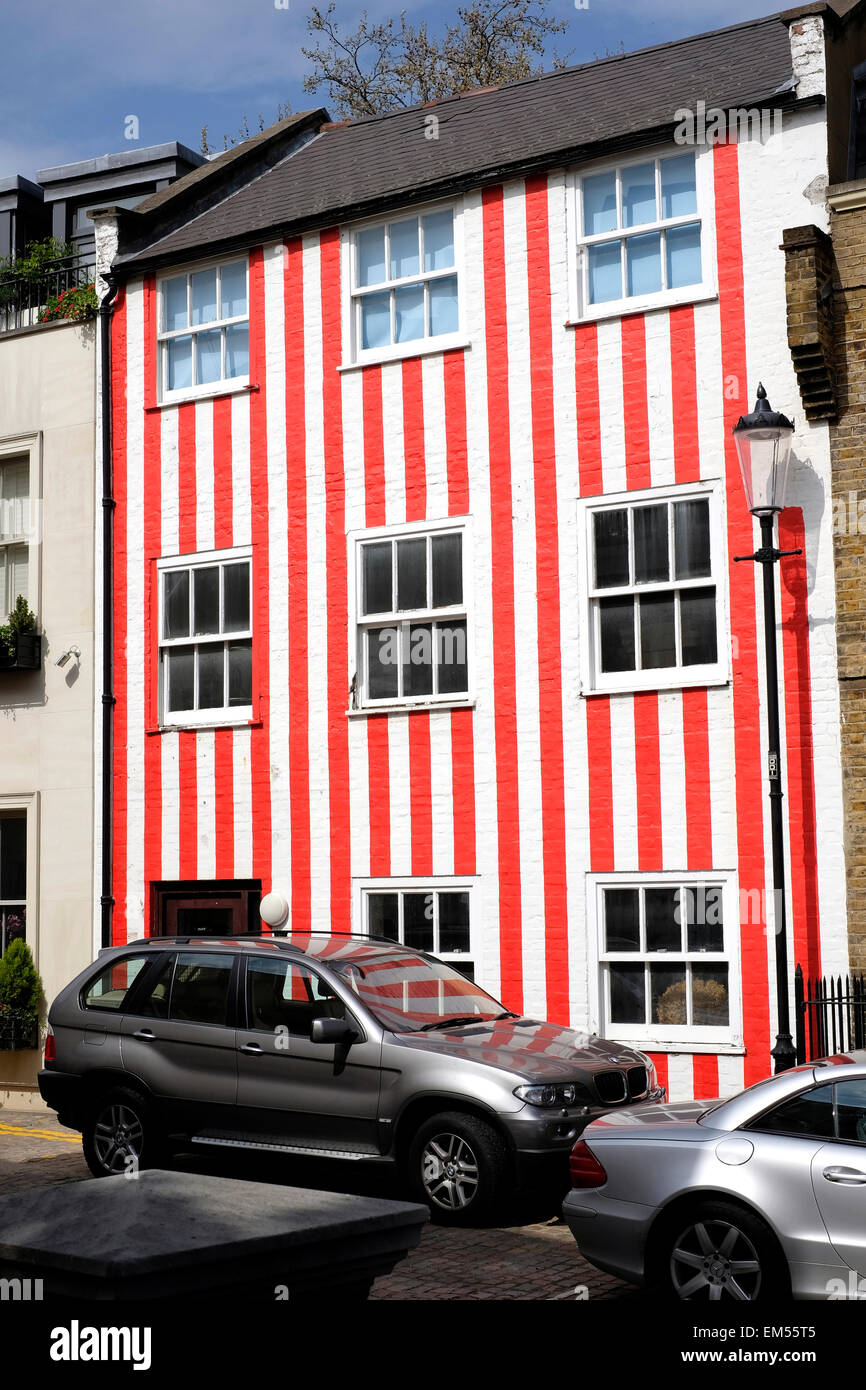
[(105, 311)]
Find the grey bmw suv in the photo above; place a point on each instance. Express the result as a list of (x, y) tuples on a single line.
[(338, 1047)]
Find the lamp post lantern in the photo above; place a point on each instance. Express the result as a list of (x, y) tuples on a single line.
[(763, 441)]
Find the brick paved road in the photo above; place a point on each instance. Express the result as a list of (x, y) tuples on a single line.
[(530, 1255)]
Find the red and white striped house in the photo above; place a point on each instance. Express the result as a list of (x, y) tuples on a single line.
[(425, 615)]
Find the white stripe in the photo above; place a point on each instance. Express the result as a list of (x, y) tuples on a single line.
[(241, 492), (359, 801), (135, 598), (672, 780), (169, 500), (660, 399), (356, 519), (710, 394), (731, 1075), (610, 403), (442, 795), (392, 430), (206, 795), (681, 1077), (622, 751), (435, 451), (722, 785), (170, 806), (204, 483), (401, 801), (242, 798)]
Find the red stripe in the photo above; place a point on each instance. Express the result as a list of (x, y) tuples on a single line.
[(299, 637), (634, 403), (187, 784), (502, 593), (696, 760), (548, 601), (705, 1071), (186, 479), (749, 790), (119, 769), (152, 513), (223, 502), (224, 789), (413, 441), (649, 781), (588, 410), (260, 759), (660, 1062), (380, 795), (420, 782), (374, 446), (800, 752), (600, 784), (463, 789), (337, 586), (684, 391), (456, 450)]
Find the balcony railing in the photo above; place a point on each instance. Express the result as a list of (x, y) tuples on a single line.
[(23, 299)]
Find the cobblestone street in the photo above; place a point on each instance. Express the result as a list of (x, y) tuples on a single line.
[(532, 1256)]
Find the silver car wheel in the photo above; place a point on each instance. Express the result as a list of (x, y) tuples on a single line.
[(715, 1260), (117, 1136), (449, 1171)]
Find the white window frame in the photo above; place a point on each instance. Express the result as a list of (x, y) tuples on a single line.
[(433, 884), (358, 623), (581, 310), (28, 447), (29, 803), (204, 718), (666, 1036), (226, 384), (353, 354), (593, 680)]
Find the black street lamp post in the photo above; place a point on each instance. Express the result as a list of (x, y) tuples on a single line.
[(763, 442)]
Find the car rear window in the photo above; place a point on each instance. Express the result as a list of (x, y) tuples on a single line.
[(112, 985)]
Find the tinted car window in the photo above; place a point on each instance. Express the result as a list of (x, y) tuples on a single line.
[(283, 995), (200, 990), (155, 1002), (851, 1110), (810, 1113), (112, 985)]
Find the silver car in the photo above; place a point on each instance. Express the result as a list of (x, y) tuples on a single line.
[(759, 1197), (330, 1047)]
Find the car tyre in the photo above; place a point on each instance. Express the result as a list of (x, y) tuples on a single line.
[(120, 1135), (458, 1165), (719, 1252)]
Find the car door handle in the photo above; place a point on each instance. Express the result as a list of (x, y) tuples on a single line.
[(853, 1176), (145, 1035), (253, 1049)]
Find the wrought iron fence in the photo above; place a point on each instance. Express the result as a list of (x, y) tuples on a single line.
[(830, 1014), (23, 298)]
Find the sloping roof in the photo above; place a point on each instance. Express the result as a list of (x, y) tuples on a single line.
[(351, 168)]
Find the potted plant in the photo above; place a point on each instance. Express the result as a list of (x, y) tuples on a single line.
[(20, 997), (20, 643)]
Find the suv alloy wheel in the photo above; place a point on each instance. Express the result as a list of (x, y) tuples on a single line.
[(118, 1136), (457, 1164)]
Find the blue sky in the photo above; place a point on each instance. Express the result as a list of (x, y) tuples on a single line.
[(73, 72)]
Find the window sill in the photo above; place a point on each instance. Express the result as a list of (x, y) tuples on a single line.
[(430, 706), (204, 394), (642, 687), (687, 1048), (625, 308), (422, 348), (211, 724)]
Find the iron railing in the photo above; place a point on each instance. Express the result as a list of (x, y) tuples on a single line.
[(830, 1015), (22, 299)]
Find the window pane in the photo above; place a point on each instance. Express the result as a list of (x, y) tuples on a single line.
[(851, 1110), (13, 926), (698, 626), (174, 303), (155, 1004), (444, 315), (180, 673), (211, 676), (112, 985), (639, 195), (447, 570), (240, 673), (418, 921), (408, 313), (621, 919), (438, 240), (13, 856), (651, 545), (684, 256), (378, 596), (200, 992), (371, 256), (175, 617), (418, 660), (679, 190), (605, 273), (233, 289), (383, 662), (411, 574), (692, 539), (208, 357), (404, 248), (710, 1003), (238, 350), (702, 911), (236, 597), (611, 549), (599, 204), (179, 370), (658, 642), (627, 994), (643, 255), (383, 915), (453, 921), (203, 296), (17, 566), (810, 1114), (14, 499), (617, 634), (376, 320), (668, 994), (452, 662), (663, 920), (206, 601)]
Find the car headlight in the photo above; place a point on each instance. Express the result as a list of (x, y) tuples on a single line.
[(549, 1095)]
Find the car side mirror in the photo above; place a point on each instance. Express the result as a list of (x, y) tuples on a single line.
[(332, 1030)]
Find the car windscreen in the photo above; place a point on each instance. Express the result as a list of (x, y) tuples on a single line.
[(408, 993)]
